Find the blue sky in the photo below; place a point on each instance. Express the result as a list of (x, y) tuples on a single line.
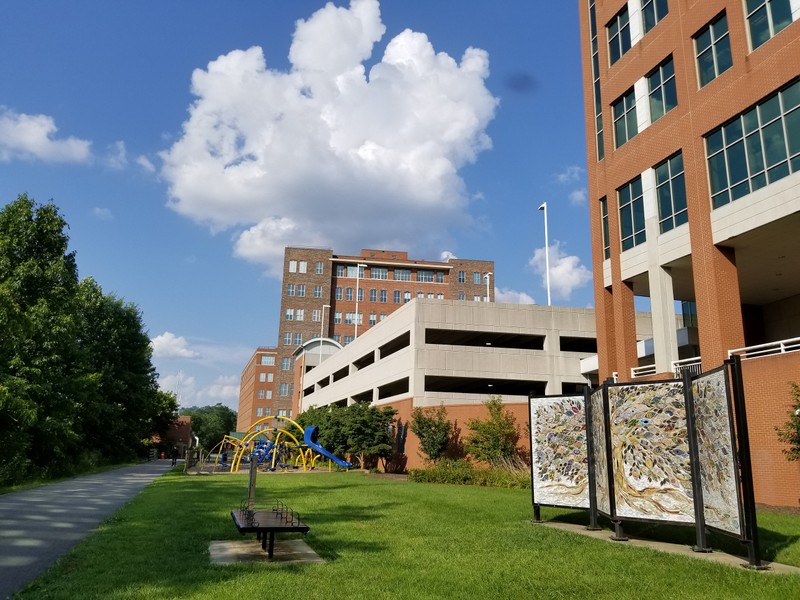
[(187, 142)]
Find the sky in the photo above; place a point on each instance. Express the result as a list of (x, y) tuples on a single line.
[(187, 143)]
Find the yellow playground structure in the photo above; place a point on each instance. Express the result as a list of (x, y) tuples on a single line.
[(277, 443)]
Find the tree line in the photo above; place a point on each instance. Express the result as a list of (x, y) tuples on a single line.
[(77, 383)]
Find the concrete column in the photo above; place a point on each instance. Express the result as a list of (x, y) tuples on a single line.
[(636, 22), (642, 93), (795, 4), (662, 296)]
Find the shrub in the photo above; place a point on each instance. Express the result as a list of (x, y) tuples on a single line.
[(462, 472), (433, 429), (495, 438), (790, 432)]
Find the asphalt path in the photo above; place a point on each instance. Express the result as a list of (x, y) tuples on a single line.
[(39, 525)]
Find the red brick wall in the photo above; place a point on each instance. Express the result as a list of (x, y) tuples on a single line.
[(768, 398)]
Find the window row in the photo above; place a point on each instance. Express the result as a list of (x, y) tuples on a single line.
[(301, 266), (382, 296), (267, 360), (299, 290), (264, 411), (262, 377), (264, 394), (623, 32), (382, 273)]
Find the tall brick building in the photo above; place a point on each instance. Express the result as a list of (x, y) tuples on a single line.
[(692, 112), (256, 388), (341, 297)]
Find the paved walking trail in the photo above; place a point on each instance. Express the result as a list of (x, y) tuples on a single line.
[(39, 525)]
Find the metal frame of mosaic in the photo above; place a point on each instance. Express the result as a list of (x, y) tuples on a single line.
[(674, 451), (559, 458)]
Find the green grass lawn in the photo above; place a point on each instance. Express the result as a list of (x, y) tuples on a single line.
[(382, 538)]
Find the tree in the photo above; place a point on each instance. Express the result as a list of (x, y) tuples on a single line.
[(211, 423), (790, 431), (433, 429), (367, 431), (495, 438)]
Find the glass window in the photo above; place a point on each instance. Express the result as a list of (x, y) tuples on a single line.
[(299, 314), (402, 275), (318, 268), (372, 319), (397, 296), (425, 276), (631, 214), (260, 410), (476, 277), (290, 289), (663, 93), (406, 297), (766, 18), (440, 296), (337, 318), (260, 397), (625, 123), (302, 266), (267, 360), (337, 338), (383, 316), (354, 271), (713, 50), (349, 318), (373, 295), (598, 103), (301, 291), (316, 315), (604, 219), (360, 294), (290, 314), (461, 296), (340, 270), (652, 12), (348, 339), (262, 377), (283, 390), (292, 266), (348, 294), (270, 376), (298, 339), (269, 397), (286, 364), (384, 296), (462, 277), (287, 338), (420, 294), (439, 277), (671, 193), (619, 35), (757, 148), (317, 291), (379, 273), (476, 298), (338, 293)]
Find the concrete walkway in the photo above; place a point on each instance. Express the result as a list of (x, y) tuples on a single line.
[(39, 525)]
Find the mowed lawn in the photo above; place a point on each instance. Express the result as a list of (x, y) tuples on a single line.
[(384, 538)]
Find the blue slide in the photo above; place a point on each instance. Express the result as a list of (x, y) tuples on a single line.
[(310, 438)]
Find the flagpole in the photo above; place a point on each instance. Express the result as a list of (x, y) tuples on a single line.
[(543, 207)]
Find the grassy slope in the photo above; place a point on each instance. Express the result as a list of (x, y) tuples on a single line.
[(383, 539)]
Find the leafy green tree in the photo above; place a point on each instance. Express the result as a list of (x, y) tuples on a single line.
[(790, 431), (433, 429), (41, 373), (368, 432), (495, 438), (211, 423)]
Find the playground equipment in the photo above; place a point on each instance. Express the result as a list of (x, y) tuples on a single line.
[(275, 446)]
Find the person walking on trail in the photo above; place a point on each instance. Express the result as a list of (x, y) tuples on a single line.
[(174, 456)]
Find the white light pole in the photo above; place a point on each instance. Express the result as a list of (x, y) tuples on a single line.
[(486, 277), (321, 326), (546, 252), (359, 266)]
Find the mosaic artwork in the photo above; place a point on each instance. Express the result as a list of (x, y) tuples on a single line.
[(650, 452), (558, 450), (716, 452), (600, 461)]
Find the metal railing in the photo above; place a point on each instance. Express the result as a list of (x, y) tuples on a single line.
[(779, 347), (693, 365), (643, 371)]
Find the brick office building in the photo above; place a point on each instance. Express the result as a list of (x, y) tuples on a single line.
[(693, 146), (256, 388), (322, 293)]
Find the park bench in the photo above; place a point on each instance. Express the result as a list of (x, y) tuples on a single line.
[(265, 523)]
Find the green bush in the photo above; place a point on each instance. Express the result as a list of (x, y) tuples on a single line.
[(790, 432), (462, 472)]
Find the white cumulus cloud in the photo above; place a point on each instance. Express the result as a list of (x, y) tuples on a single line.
[(328, 153), (117, 156), (31, 137), (578, 197), (104, 214), (570, 174), (224, 388), (145, 163), (169, 345), (566, 272), (509, 296)]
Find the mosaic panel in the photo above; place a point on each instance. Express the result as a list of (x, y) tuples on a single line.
[(560, 463), (650, 452), (715, 445), (600, 460)]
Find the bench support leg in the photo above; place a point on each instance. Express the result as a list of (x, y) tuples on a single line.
[(271, 544)]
